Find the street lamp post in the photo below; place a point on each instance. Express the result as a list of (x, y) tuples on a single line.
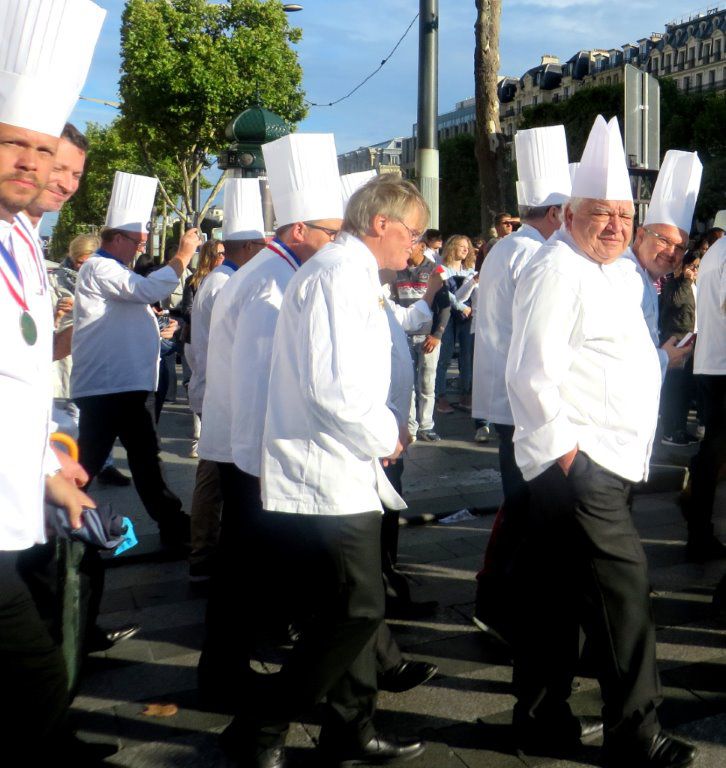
[(427, 146)]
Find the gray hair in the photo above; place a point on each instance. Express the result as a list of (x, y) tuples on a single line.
[(535, 212), (385, 195)]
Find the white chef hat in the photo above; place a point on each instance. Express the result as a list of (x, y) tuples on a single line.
[(132, 199), (302, 170), (572, 167), (720, 220), (351, 182), (603, 172), (676, 190), (243, 218), (543, 176), (46, 47)]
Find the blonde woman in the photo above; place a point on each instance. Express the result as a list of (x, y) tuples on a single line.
[(457, 249)]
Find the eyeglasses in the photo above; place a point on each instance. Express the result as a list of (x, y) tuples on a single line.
[(138, 243), (331, 233), (663, 240), (414, 234)]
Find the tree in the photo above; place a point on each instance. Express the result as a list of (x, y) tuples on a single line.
[(189, 67), (491, 150)]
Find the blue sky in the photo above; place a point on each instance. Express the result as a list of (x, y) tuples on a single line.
[(343, 41)]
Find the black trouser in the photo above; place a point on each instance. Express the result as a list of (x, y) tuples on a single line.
[(34, 701), (130, 417), (242, 599), (675, 398), (395, 583), (330, 563), (581, 562), (706, 464)]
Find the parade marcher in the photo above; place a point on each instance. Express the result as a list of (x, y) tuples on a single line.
[(243, 236), (326, 427), (116, 350), (583, 383), (543, 186), (305, 191), (709, 368), (45, 53), (661, 242)]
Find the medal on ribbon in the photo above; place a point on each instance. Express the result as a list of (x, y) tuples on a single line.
[(13, 279)]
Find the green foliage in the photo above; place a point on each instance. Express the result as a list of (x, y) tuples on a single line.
[(459, 205), (189, 66), (577, 114), (689, 121)]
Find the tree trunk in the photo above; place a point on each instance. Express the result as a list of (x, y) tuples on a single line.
[(490, 143)]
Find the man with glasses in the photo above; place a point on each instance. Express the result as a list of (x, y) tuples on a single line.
[(116, 351)]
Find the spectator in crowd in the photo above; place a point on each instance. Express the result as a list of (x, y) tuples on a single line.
[(433, 241), (410, 285), (458, 330), (503, 226), (211, 256)]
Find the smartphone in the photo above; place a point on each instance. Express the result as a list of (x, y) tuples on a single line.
[(687, 340)]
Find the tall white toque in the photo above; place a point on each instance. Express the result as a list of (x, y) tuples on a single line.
[(603, 172), (46, 47), (675, 191), (543, 175), (352, 182), (302, 170), (132, 199), (573, 170), (243, 218)]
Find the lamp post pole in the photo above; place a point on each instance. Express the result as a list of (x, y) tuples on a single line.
[(427, 145)]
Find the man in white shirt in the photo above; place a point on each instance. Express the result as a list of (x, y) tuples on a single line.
[(41, 56), (116, 353), (327, 426), (710, 368), (543, 186), (583, 378), (243, 236)]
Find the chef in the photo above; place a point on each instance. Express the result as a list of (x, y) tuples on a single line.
[(45, 52), (583, 380), (116, 350), (327, 425), (305, 190)]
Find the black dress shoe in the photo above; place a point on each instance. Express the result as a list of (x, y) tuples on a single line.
[(660, 751), (556, 739), (406, 675), (102, 640), (379, 750), (111, 476)]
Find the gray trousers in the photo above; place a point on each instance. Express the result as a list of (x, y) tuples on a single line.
[(421, 415)]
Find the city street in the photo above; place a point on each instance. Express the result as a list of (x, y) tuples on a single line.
[(464, 712)]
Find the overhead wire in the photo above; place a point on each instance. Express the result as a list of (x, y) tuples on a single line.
[(366, 79)]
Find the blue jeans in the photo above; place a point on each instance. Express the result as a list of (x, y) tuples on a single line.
[(457, 330)]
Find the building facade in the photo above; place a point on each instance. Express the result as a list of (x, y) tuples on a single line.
[(384, 157)]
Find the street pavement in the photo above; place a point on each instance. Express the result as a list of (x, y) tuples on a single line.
[(464, 712)]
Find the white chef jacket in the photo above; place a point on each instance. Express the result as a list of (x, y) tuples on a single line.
[(201, 319), (582, 369), (25, 391), (116, 340), (710, 353), (401, 388), (252, 301), (648, 302), (327, 420), (493, 323)]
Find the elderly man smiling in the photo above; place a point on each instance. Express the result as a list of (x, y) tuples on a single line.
[(583, 378)]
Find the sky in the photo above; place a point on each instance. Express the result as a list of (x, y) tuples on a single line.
[(343, 41)]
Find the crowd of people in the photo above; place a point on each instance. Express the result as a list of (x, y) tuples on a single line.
[(313, 359)]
